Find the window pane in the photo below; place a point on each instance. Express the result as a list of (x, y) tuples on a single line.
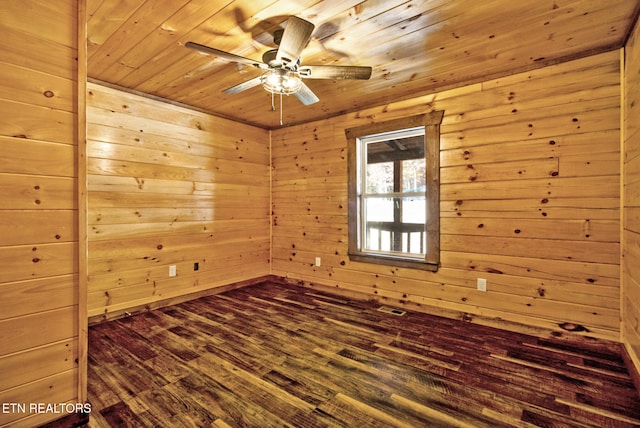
[(414, 243), (378, 209), (414, 175), (414, 209), (383, 232), (380, 177)]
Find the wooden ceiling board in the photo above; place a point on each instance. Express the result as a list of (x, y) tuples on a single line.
[(414, 46)]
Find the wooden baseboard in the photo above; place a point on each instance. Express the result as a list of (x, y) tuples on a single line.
[(96, 319)]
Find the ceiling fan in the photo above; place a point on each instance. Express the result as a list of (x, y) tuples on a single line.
[(283, 72)]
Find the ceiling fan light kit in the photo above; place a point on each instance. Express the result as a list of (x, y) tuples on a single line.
[(281, 81), (283, 75)]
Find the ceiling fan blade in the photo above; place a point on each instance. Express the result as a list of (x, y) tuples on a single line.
[(306, 95), (335, 72), (296, 35), (225, 55), (243, 86)]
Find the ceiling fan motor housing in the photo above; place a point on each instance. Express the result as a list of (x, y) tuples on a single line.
[(277, 36), (270, 58)]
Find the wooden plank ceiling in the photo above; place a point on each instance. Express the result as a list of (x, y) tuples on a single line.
[(414, 47)]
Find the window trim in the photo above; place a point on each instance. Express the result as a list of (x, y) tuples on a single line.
[(431, 122)]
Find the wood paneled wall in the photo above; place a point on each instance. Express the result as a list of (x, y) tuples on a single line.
[(530, 195), (39, 345), (171, 186), (631, 200)]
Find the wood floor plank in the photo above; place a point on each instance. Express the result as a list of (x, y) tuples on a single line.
[(431, 412), (121, 415), (279, 355), (102, 394)]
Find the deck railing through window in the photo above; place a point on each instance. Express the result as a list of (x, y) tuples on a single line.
[(396, 237)]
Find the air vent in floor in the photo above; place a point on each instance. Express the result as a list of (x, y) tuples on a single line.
[(392, 311)]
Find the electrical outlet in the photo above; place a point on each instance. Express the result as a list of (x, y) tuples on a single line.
[(172, 270), (482, 284), (318, 261)]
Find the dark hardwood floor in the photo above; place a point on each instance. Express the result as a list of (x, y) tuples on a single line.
[(277, 355)]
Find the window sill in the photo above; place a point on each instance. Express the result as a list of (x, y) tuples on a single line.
[(401, 262)]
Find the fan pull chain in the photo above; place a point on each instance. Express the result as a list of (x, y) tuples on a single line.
[(273, 105)]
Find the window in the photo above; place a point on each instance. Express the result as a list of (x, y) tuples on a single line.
[(394, 192)]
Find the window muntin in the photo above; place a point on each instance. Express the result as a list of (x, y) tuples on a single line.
[(394, 192)]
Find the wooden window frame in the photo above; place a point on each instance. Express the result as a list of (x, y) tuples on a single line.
[(431, 122)]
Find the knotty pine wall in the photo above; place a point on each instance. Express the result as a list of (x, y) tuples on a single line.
[(530, 195), (631, 200), (41, 355), (171, 186)]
